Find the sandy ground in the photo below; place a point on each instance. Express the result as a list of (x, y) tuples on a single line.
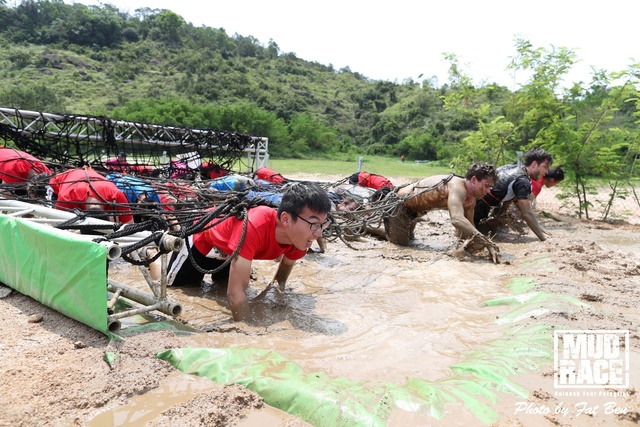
[(53, 369)]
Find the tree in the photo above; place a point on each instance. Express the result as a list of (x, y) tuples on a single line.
[(309, 135), (37, 98), (273, 50), (170, 26)]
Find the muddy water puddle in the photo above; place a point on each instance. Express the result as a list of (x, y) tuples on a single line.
[(371, 317), (381, 314), (178, 388), (378, 313)]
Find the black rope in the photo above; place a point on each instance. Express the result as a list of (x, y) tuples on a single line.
[(230, 257), (431, 187)]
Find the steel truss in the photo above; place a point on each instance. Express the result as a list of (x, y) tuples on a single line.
[(88, 138)]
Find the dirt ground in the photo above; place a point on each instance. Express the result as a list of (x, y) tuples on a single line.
[(53, 369)]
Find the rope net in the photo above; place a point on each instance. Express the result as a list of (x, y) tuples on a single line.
[(176, 180)]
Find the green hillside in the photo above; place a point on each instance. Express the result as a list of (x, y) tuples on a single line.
[(156, 68)]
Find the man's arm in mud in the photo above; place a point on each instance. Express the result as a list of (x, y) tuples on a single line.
[(282, 274), (530, 217), (461, 220), (239, 276)]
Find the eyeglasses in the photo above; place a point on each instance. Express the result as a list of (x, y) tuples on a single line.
[(315, 226)]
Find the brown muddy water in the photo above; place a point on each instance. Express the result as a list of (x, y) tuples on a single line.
[(379, 312)]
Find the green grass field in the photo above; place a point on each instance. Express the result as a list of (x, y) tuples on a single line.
[(373, 164)]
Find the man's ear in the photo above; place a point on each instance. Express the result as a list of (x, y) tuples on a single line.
[(285, 218)]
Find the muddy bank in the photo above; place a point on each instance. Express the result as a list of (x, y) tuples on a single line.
[(374, 312)]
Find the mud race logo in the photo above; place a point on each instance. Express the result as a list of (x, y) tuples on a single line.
[(591, 359)]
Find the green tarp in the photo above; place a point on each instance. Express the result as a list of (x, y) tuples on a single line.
[(57, 268), (321, 400), (475, 382)]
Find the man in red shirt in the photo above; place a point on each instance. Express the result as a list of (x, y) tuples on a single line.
[(211, 170), (370, 180), (118, 164), (270, 175), (19, 167), (552, 178), (86, 189), (270, 234)]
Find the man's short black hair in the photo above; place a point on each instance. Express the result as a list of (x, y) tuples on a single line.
[(556, 174), (302, 195), (37, 186), (482, 171), (537, 154)]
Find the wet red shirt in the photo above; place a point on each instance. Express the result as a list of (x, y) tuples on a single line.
[(376, 182), (259, 241), (74, 186), (116, 164), (269, 175), (15, 165), (536, 186), (170, 193), (212, 170)]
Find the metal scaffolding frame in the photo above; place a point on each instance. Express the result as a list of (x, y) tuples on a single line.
[(155, 301), (102, 131)]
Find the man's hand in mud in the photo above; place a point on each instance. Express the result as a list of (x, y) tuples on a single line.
[(493, 253), (280, 299), (479, 242), (273, 293)]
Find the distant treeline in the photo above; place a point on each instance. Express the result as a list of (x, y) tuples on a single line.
[(155, 67)]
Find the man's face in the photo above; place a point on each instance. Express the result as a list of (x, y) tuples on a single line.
[(347, 205), (300, 231), (550, 182), (485, 186), (481, 187), (539, 169)]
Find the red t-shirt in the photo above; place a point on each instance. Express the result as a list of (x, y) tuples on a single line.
[(259, 241), (142, 169), (269, 175), (536, 186), (74, 186), (376, 182), (212, 170), (15, 165), (116, 164)]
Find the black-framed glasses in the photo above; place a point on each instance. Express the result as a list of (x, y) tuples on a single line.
[(315, 226)]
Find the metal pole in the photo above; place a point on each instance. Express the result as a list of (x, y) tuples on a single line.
[(152, 303), (55, 214)]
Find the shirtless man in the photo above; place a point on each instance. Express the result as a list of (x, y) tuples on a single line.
[(456, 194)]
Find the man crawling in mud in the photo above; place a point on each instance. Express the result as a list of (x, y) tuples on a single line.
[(456, 194), (513, 186)]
